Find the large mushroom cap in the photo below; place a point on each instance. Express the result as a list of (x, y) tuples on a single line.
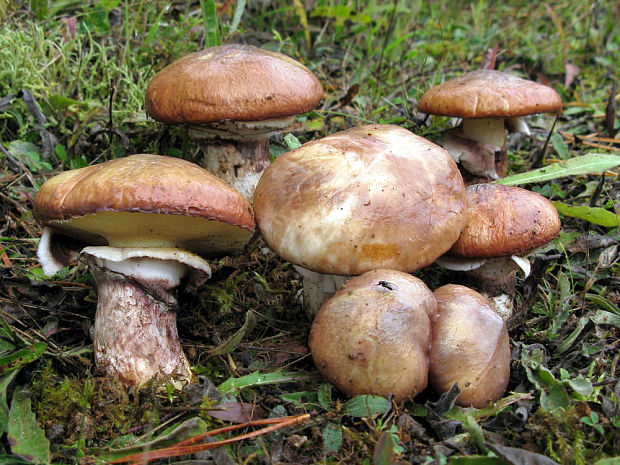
[(375, 196), (489, 94), (505, 220), (373, 336), (232, 82), (470, 346), (146, 200)]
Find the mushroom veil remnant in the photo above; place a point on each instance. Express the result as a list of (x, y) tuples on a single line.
[(487, 101), (375, 196), (232, 98), (141, 222)]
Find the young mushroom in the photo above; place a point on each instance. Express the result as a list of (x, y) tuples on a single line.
[(140, 221), (232, 98), (487, 101), (375, 196), (505, 224), (470, 346), (373, 335)]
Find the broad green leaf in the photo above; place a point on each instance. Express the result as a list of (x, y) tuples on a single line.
[(581, 385), (25, 436), (601, 317), (324, 395), (5, 346), (385, 450), (366, 406), (559, 146), (608, 461), (232, 385), (291, 141), (589, 163), (332, 438), (594, 215), (553, 394), (21, 357)]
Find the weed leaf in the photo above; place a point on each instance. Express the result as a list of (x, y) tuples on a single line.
[(553, 394), (594, 215), (366, 406), (515, 456), (25, 436), (589, 163), (332, 438), (21, 357)]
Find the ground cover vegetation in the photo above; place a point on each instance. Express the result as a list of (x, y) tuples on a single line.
[(72, 82)]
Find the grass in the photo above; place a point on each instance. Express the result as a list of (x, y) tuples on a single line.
[(87, 67)]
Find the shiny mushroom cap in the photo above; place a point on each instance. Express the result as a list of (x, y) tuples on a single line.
[(504, 221), (232, 83), (375, 196), (490, 94), (373, 336), (470, 346), (146, 200)]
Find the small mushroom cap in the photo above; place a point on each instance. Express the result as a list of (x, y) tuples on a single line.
[(505, 220), (373, 336), (232, 82), (375, 196), (146, 200), (470, 346), (489, 94)]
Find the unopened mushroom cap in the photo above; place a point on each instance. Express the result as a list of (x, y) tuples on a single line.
[(373, 336), (489, 94), (470, 346), (232, 82), (370, 197), (146, 200), (505, 220)]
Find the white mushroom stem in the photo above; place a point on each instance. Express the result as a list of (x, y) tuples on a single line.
[(317, 288), (135, 337)]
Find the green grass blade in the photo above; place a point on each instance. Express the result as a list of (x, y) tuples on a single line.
[(211, 23), (589, 163)]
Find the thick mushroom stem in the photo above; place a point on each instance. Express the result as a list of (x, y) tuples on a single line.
[(490, 131), (238, 151), (135, 337), (239, 164)]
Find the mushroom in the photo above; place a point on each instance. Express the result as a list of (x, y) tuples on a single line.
[(470, 346), (375, 196), (373, 335), (143, 220), (487, 100), (232, 98), (505, 224)]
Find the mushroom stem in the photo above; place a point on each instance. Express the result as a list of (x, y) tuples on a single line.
[(491, 131), (135, 338), (317, 288), (239, 164)]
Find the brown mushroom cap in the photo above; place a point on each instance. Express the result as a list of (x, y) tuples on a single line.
[(232, 82), (470, 346), (373, 336), (145, 200), (505, 220), (489, 94), (375, 196)]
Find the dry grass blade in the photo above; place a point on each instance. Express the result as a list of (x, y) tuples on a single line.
[(185, 447)]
